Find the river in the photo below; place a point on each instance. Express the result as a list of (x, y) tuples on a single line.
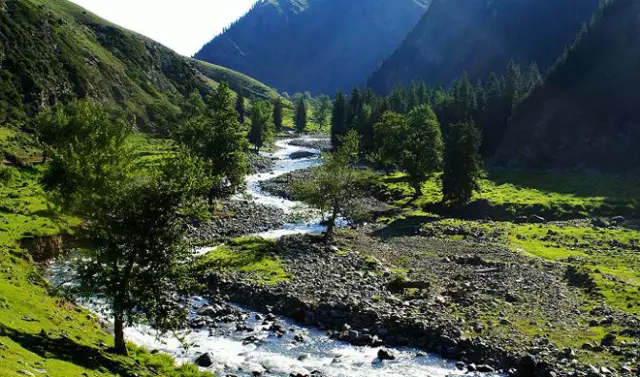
[(283, 356)]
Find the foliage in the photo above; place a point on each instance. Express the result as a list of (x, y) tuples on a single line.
[(278, 115), (322, 111), (216, 136), (388, 139), (338, 119), (421, 150), (91, 155), (334, 185), (261, 131), (136, 256), (240, 108), (462, 164), (301, 116), (238, 82)]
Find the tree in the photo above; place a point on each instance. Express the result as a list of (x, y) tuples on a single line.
[(338, 119), (389, 132), (462, 164), (137, 258), (421, 151), (464, 100), (301, 116), (261, 124), (90, 149), (240, 108), (322, 110), (216, 136), (277, 115), (333, 187)]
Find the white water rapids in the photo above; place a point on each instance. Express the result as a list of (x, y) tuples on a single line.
[(283, 356)]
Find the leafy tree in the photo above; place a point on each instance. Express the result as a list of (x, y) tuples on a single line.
[(277, 115), (216, 136), (334, 186), (389, 133), (90, 149), (261, 124), (301, 116), (338, 119), (421, 151), (322, 110), (240, 107), (462, 164), (137, 259)]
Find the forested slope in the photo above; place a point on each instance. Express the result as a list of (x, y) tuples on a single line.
[(586, 115), (480, 37)]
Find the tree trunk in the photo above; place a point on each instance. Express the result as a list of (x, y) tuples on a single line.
[(417, 186), (120, 346), (210, 197), (331, 225)]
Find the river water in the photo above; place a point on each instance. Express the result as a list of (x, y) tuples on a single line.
[(283, 356)]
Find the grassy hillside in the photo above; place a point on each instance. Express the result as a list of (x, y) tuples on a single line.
[(315, 45), (480, 37), (585, 117), (236, 80), (54, 51)]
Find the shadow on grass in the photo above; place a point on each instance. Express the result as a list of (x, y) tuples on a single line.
[(65, 349), (409, 226), (615, 190)]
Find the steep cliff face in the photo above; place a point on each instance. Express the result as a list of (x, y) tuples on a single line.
[(480, 37), (315, 45), (587, 115)]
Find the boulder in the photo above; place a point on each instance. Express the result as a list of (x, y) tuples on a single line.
[(204, 360), (386, 354)]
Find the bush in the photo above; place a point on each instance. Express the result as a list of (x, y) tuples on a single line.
[(8, 174)]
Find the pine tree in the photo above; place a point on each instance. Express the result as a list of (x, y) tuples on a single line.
[(277, 115), (355, 107), (398, 100), (534, 78), (338, 119), (261, 124), (512, 88), (301, 116), (464, 97), (462, 164), (240, 108)]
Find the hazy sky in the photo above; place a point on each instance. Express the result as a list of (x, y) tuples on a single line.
[(183, 25)]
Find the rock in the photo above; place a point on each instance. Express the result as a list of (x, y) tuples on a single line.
[(505, 322), (386, 354), (298, 338), (257, 373), (521, 220), (301, 155), (535, 219), (608, 340), (26, 373), (303, 357), (204, 360), (484, 368), (461, 365), (600, 223), (618, 220), (512, 297)]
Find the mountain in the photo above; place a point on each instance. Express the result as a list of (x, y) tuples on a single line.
[(587, 114), (480, 37), (315, 45), (54, 51)]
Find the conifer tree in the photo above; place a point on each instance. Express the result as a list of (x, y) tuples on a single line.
[(277, 115), (240, 108), (338, 119), (462, 164), (261, 124), (301, 116)]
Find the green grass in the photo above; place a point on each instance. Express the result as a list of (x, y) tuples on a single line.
[(559, 196), (237, 81), (254, 258), (39, 331)]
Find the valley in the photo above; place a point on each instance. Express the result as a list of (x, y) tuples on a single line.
[(463, 201)]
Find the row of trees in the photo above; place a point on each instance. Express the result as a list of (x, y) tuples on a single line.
[(489, 105)]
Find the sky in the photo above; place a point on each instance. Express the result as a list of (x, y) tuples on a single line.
[(183, 25)]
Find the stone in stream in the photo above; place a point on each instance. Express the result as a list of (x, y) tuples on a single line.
[(204, 360), (385, 354)]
